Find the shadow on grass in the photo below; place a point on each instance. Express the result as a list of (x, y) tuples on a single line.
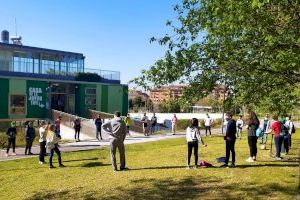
[(81, 159), (186, 188), (93, 164)]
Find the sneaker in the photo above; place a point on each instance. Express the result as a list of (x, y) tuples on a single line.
[(30, 153), (278, 158), (6, 155), (232, 165), (52, 167), (41, 163), (187, 167), (61, 165), (125, 168), (195, 167), (250, 160), (225, 165), (14, 154)]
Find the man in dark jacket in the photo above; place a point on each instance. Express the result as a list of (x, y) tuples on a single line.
[(230, 139), (30, 135), (11, 134), (98, 123)]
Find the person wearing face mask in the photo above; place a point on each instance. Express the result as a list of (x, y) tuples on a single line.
[(265, 129), (230, 138)]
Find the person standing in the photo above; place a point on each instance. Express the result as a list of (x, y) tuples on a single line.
[(128, 123), (77, 127), (193, 138), (11, 135), (284, 133), (30, 135), (98, 123), (230, 138), (116, 129), (145, 124), (207, 123), (239, 125), (174, 124), (291, 129), (57, 125), (252, 126), (265, 129), (52, 144), (42, 141), (153, 123), (278, 139)]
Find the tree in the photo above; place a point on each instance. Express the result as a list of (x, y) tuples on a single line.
[(251, 47)]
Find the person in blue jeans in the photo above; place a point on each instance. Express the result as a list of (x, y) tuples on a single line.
[(52, 144), (278, 139)]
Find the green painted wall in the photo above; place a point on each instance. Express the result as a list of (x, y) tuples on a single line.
[(79, 100), (98, 97), (36, 99), (104, 99), (115, 98), (125, 101), (17, 86), (4, 83)]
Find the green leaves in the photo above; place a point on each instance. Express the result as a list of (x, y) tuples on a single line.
[(252, 46)]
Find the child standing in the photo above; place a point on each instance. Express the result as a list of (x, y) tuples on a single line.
[(11, 133), (239, 125), (30, 135), (52, 144)]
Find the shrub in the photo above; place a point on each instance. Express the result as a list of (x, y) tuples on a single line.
[(89, 77)]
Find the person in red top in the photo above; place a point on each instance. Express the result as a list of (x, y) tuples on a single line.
[(278, 139)]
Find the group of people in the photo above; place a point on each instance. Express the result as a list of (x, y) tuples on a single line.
[(49, 136), (150, 125), (117, 129)]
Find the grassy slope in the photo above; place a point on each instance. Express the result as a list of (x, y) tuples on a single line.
[(157, 172)]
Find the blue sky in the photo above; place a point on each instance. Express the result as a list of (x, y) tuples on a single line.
[(113, 35)]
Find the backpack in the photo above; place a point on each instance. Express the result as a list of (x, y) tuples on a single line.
[(205, 164), (259, 132), (284, 130), (293, 129)]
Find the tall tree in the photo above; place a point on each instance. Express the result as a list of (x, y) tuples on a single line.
[(252, 47)]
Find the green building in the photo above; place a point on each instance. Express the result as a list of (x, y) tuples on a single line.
[(34, 80)]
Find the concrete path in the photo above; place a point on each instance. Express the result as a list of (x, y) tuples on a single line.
[(88, 144)]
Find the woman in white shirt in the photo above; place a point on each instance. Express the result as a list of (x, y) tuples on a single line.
[(193, 138), (207, 123)]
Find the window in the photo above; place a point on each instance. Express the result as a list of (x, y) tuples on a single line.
[(90, 101), (17, 105), (90, 91)]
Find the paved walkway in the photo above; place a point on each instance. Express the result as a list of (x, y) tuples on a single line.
[(88, 144)]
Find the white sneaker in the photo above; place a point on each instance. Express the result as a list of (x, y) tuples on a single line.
[(41, 163), (187, 167), (250, 160), (14, 154), (278, 158), (6, 155)]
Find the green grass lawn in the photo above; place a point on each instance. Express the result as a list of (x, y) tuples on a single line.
[(157, 171)]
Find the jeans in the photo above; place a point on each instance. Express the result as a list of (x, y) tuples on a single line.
[(285, 142), (77, 132), (152, 129), (42, 151), (252, 142), (29, 142), (278, 142), (230, 148), (191, 146), (207, 128), (56, 150), (11, 141), (290, 140), (239, 132), (114, 144), (264, 138), (98, 133)]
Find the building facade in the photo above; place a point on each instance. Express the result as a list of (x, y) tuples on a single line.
[(34, 80), (165, 93)]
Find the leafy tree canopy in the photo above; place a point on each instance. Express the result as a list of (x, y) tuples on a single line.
[(252, 47)]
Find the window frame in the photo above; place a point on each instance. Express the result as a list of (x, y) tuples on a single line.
[(9, 104)]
